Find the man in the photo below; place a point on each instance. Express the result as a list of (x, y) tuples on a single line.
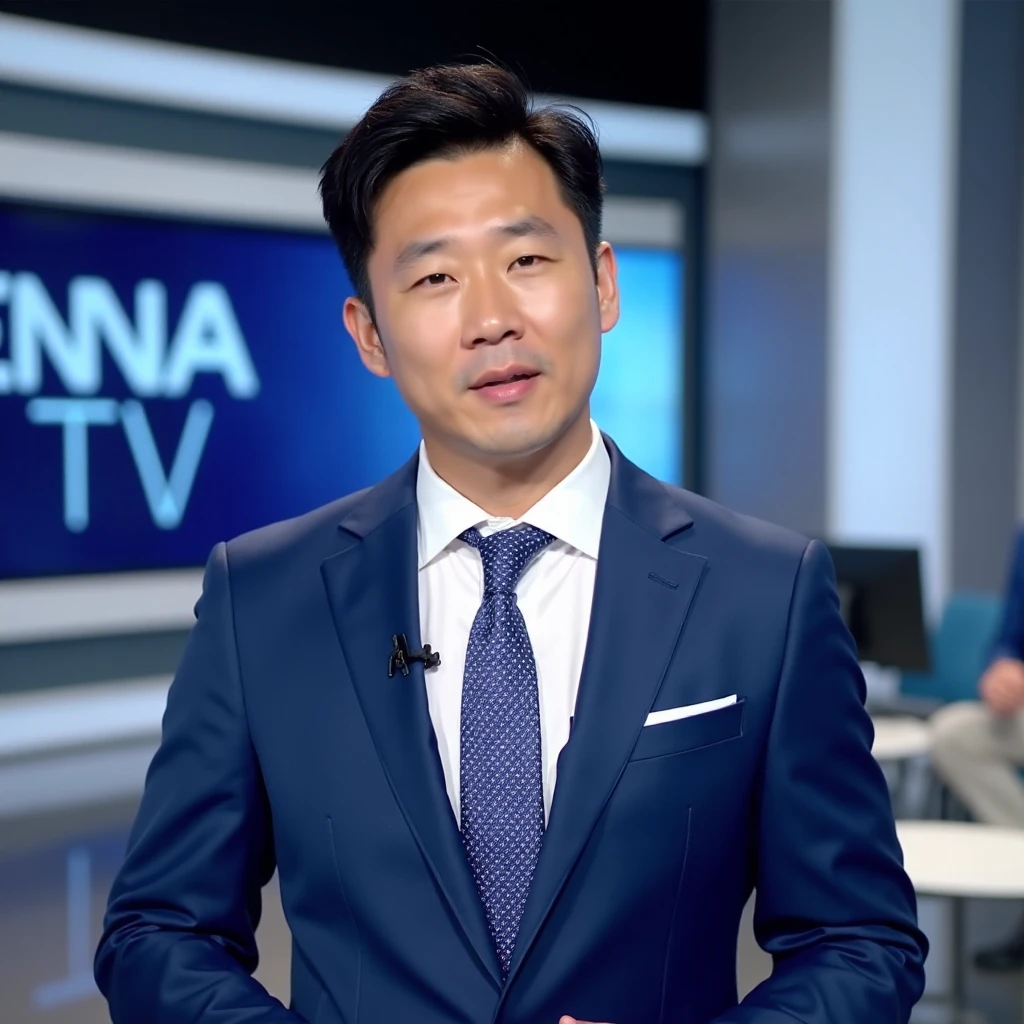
[(978, 746), (644, 706)]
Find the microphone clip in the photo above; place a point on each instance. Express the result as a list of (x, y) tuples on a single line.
[(401, 657)]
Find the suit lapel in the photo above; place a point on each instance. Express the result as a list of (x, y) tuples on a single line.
[(373, 592), (642, 593)]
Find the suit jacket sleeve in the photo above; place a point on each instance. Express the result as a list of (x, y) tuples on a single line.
[(834, 906), (1010, 641), (178, 942)]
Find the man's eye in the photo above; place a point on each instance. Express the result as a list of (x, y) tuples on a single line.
[(434, 279), (527, 261)]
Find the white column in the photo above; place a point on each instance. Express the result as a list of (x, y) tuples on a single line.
[(1020, 382), (893, 203)]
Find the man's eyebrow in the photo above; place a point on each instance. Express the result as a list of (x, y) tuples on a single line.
[(532, 225), (522, 228), (417, 250)]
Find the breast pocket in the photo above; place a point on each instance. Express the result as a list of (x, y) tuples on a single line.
[(686, 734)]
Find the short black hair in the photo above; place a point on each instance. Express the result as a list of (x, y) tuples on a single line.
[(440, 112)]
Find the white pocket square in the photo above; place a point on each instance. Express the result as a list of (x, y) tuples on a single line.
[(688, 710)]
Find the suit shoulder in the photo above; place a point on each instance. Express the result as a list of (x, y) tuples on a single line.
[(736, 533), (277, 558), (312, 531)]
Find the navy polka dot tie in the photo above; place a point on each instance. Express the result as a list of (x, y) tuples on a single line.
[(501, 782)]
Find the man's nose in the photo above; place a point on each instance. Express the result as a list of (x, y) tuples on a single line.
[(490, 312)]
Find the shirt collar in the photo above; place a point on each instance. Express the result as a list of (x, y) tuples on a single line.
[(572, 511)]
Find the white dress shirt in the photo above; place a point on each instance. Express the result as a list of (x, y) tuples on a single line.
[(555, 594)]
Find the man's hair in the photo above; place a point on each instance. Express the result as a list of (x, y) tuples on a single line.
[(444, 112)]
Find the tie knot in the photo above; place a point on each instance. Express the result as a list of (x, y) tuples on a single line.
[(506, 554)]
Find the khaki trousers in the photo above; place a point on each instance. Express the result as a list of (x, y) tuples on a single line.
[(977, 753)]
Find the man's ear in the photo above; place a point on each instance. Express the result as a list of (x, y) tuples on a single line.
[(607, 286), (360, 325)]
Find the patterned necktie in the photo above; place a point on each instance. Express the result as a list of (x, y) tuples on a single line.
[(501, 782)]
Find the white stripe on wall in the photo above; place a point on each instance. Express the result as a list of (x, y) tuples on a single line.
[(43, 721), (61, 607), (89, 174), (893, 194), (1020, 385), (119, 67), (75, 780)]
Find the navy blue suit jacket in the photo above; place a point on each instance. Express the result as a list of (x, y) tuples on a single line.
[(286, 744), (1010, 640)]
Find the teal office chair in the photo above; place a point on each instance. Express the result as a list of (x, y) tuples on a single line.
[(959, 649)]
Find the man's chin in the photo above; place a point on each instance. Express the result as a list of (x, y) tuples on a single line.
[(519, 442)]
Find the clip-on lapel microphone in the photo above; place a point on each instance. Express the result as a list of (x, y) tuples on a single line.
[(401, 656)]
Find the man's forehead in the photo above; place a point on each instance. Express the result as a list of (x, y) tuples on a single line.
[(489, 177), (484, 196)]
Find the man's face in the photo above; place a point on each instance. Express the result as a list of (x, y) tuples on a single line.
[(488, 314)]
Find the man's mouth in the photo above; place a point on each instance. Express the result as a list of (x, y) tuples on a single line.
[(496, 378)]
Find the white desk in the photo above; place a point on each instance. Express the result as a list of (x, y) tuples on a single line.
[(900, 737), (961, 860), (900, 740)]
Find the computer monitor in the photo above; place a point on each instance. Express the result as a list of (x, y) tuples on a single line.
[(880, 601)]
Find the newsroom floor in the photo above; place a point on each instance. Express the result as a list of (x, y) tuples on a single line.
[(55, 872)]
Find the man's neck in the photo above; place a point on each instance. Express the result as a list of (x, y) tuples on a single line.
[(512, 487)]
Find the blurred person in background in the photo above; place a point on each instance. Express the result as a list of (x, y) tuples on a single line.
[(979, 745), (492, 826)]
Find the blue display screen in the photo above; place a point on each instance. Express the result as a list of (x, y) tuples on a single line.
[(168, 384)]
